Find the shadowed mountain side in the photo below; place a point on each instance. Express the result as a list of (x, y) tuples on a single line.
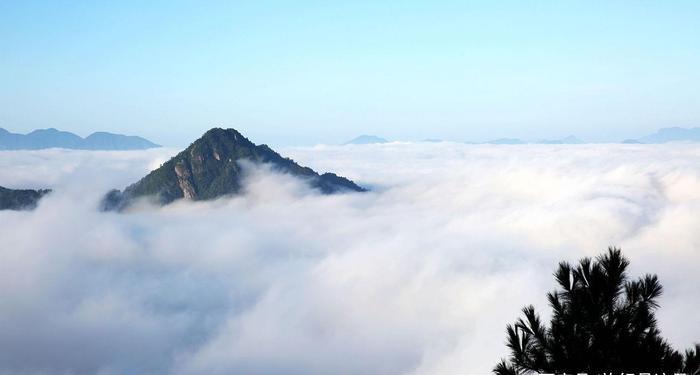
[(209, 169), (24, 199)]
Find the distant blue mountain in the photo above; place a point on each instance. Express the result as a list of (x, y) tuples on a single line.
[(506, 141), (673, 135), (47, 138), (570, 140), (109, 141), (632, 142), (366, 140), (53, 138)]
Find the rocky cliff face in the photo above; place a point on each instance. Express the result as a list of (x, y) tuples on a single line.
[(209, 168)]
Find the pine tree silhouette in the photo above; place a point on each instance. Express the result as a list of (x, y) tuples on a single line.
[(601, 322)]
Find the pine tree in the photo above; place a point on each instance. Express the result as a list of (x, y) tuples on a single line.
[(601, 322)]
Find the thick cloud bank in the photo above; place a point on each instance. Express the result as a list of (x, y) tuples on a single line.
[(418, 276)]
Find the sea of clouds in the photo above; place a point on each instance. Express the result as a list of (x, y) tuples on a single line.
[(418, 276)]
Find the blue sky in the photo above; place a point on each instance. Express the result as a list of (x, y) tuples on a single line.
[(304, 72)]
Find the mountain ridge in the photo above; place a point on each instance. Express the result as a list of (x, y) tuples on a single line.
[(673, 134), (53, 138), (209, 168)]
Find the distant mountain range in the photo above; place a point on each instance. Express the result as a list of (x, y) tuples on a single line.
[(570, 140), (665, 135), (373, 139), (676, 134), (209, 168), (53, 138), (506, 141), (11, 199), (366, 140), (632, 142)]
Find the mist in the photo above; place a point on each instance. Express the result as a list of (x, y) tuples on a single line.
[(418, 276)]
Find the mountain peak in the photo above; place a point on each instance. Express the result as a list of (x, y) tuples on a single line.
[(223, 136), (365, 139), (48, 131), (673, 134), (218, 132), (111, 141), (209, 168)]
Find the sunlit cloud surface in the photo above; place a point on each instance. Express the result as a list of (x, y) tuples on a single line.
[(420, 275)]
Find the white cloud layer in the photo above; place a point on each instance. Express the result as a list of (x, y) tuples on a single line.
[(418, 276)]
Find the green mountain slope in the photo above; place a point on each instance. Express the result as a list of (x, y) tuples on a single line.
[(209, 168)]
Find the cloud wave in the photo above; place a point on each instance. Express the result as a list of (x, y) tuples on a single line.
[(418, 276)]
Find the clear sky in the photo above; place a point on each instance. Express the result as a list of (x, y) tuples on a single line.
[(302, 72)]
